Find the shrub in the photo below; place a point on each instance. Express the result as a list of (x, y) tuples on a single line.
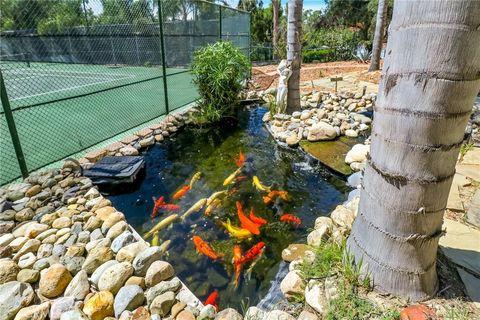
[(344, 40), (322, 55), (218, 71)]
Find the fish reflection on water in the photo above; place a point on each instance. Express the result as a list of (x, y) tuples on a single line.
[(246, 149)]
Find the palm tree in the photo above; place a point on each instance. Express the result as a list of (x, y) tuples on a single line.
[(275, 9), (378, 37), (429, 81), (294, 53)]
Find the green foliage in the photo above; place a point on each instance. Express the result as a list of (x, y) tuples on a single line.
[(322, 55), (328, 260), (343, 42), (349, 305), (218, 70), (457, 313), (466, 146)]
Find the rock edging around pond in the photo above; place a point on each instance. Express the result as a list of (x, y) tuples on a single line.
[(66, 253)]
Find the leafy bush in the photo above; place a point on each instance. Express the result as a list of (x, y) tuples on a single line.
[(322, 55), (218, 71), (344, 40)]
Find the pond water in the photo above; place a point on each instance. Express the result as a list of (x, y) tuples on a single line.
[(312, 190)]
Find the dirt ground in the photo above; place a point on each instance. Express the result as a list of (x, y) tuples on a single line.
[(266, 76)]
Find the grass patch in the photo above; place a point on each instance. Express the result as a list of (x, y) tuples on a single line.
[(466, 146), (332, 259)]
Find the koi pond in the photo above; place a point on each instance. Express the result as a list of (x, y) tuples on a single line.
[(311, 191)]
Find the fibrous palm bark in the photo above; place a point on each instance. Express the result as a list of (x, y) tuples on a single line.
[(294, 53), (378, 37), (275, 9), (430, 78)]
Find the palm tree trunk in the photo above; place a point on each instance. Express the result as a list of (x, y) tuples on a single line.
[(275, 7), (294, 53), (429, 82), (378, 37)]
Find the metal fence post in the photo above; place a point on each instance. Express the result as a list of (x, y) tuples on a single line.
[(220, 22), (12, 128), (162, 46)]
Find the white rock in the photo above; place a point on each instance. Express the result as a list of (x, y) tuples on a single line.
[(292, 284), (314, 296), (357, 154)]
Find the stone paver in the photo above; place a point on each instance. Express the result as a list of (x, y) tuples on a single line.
[(473, 213), (472, 284), (469, 170), (461, 244), (472, 157), (454, 200)]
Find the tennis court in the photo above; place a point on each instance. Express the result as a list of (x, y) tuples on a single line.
[(60, 109)]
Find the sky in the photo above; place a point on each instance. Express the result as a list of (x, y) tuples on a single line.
[(307, 4)]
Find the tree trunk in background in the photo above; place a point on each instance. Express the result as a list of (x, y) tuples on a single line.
[(378, 37), (294, 53), (430, 79), (275, 7)]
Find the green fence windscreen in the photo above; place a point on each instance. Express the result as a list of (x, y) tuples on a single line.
[(79, 72)]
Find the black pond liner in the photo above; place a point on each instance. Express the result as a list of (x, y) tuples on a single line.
[(212, 150)]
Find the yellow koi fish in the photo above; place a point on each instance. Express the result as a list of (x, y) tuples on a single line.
[(232, 177), (155, 239), (212, 206), (164, 246), (259, 185), (237, 232), (196, 207), (161, 225), (215, 195), (196, 177)]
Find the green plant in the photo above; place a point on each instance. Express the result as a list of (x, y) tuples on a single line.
[(466, 146), (349, 305), (328, 261), (457, 313), (218, 71), (321, 55)]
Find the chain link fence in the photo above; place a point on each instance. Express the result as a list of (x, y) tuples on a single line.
[(75, 73)]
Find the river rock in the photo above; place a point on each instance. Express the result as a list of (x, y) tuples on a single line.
[(228, 314), (343, 217), (8, 270), (30, 246), (130, 251), (307, 315), (6, 239), (128, 298), (162, 287), (358, 153), (294, 251), (62, 222), (321, 131), (317, 236), (185, 315), (35, 312), (14, 296), (24, 215), (207, 312), (95, 277), (320, 221), (292, 285), (99, 306), (35, 229), (60, 306), (111, 220), (122, 240), (144, 259), (278, 315), (96, 257), (314, 296), (79, 287), (158, 271), (74, 314), (27, 260), (28, 275), (116, 230), (17, 243), (113, 278), (92, 224), (54, 281), (162, 304)]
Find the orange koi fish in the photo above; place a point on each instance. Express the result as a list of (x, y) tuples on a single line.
[(240, 179), (169, 207), (291, 218), (245, 222), (253, 252), (237, 255), (241, 159), (257, 220), (273, 194), (212, 299), (204, 248), (180, 193), (157, 203)]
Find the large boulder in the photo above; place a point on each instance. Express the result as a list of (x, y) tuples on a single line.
[(14, 296), (292, 285), (114, 277), (358, 153), (54, 281), (99, 306), (321, 131), (128, 298)]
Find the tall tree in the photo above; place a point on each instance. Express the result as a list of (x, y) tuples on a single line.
[(429, 82), (276, 9), (294, 53), (378, 37)]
